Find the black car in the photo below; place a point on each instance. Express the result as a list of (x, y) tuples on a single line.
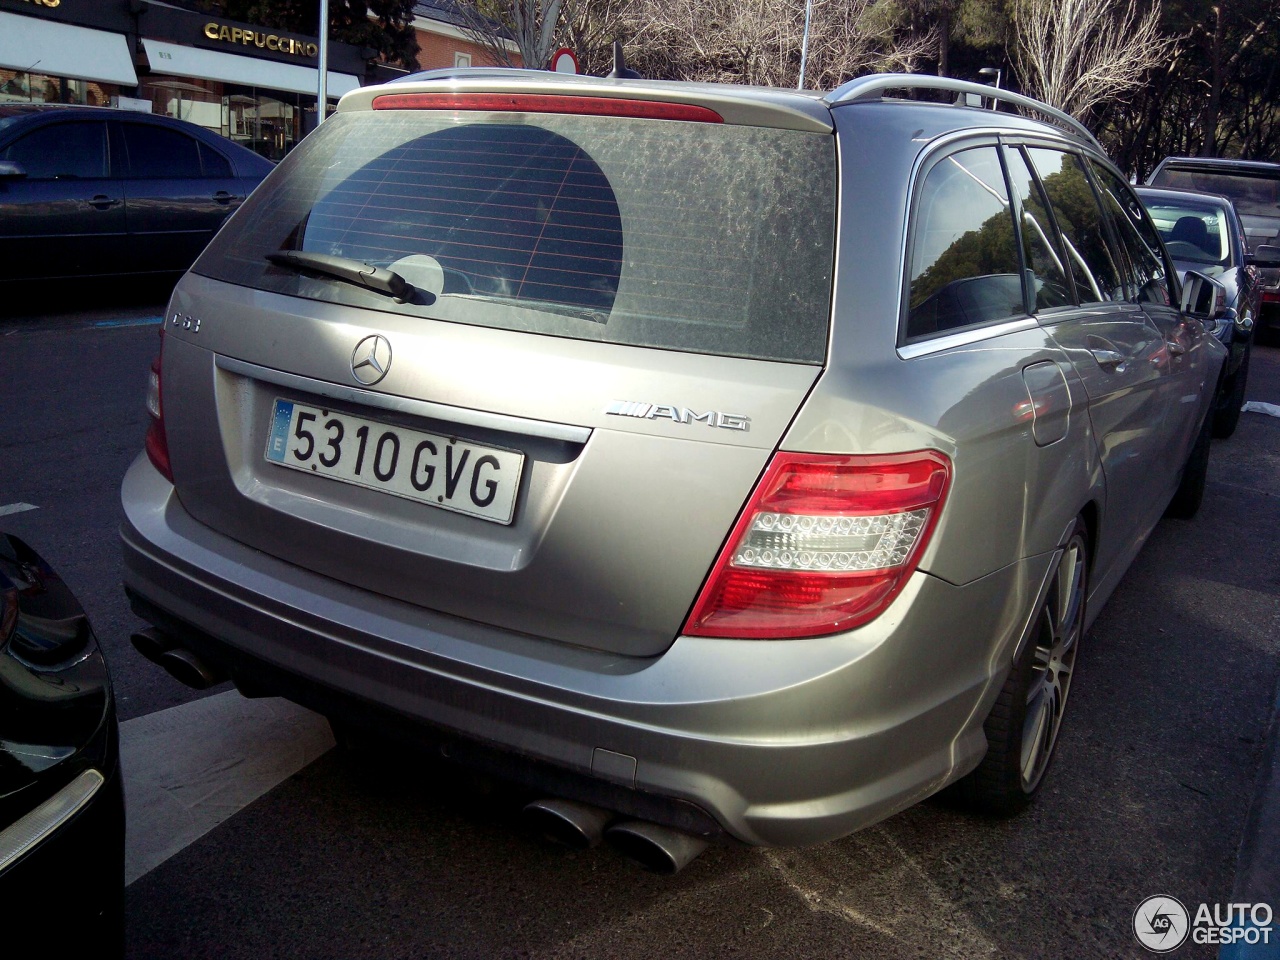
[(91, 191), (61, 797), (1254, 188), (1204, 233)]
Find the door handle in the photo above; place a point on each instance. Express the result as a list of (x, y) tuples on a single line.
[(1110, 360), (101, 201), (223, 197)]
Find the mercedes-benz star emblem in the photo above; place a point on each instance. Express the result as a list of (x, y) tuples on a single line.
[(371, 359)]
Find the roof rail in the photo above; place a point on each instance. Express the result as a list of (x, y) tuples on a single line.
[(875, 86)]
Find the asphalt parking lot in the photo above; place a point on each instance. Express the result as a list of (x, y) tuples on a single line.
[(251, 838)]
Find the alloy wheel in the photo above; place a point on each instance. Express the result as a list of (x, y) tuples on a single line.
[(1061, 622)]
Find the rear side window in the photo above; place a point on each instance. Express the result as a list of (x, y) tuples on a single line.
[(701, 237), (157, 153), (76, 150), (1093, 264), (964, 258)]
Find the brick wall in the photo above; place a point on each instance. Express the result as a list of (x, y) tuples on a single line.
[(436, 51)]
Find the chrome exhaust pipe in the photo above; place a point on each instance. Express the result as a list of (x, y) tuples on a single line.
[(181, 664), (577, 825), (151, 643), (656, 848)]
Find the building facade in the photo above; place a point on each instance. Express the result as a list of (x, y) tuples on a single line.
[(443, 40), (251, 84)]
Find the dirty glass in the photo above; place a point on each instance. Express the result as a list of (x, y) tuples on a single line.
[(702, 237)]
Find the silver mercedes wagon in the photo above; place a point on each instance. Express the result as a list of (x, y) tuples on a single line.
[(718, 462)]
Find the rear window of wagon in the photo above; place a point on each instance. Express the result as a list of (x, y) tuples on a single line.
[(708, 238)]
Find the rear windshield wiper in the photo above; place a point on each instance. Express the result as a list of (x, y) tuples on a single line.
[(344, 268)]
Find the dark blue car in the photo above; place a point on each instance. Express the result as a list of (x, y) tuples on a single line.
[(91, 191), (1204, 233)]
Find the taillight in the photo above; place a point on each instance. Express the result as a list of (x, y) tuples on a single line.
[(157, 443), (824, 545), (548, 103)]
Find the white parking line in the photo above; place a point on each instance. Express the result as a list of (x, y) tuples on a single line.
[(9, 508), (188, 768)]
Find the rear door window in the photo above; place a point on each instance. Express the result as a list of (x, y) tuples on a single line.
[(1041, 247), (1140, 249), (157, 153), (964, 258), (1093, 263), (708, 238)]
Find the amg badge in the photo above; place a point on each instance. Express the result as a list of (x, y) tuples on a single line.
[(661, 411)]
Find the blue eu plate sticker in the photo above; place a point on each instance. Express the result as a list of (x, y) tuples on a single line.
[(278, 443)]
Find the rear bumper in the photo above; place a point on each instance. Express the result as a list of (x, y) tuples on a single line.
[(772, 742)]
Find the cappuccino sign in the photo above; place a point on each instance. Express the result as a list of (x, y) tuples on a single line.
[(256, 38)]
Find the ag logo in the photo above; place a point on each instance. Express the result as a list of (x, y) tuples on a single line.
[(1161, 924)]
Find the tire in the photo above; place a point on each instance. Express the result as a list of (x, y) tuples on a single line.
[(1022, 728), (1227, 416), (1186, 499)]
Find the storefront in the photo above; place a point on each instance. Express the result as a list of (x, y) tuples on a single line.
[(253, 85)]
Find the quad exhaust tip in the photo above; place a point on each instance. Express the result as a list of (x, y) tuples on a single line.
[(180, 663), (577, 825), (581, 826), (654, 847)]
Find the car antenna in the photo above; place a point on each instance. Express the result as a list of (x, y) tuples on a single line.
[(620, 69)]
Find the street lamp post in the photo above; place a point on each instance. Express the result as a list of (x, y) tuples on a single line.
[(322, 91), (804, 43), (998, 74)]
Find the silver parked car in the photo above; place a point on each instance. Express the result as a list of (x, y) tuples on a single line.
[(722, 462)]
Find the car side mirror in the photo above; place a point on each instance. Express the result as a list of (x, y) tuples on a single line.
[(12, 168), (1203, 297), (1264, 255)]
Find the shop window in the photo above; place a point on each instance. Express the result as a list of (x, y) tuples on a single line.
[(157, 153), (196, 101), (20, 86), (62, 151)]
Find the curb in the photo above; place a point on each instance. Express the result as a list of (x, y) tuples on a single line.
[(1258, 862)]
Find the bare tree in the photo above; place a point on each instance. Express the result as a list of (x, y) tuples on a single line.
[(758, 41), (532, 25), (589, 29), (1076, 54)]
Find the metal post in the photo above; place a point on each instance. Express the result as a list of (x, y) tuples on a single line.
[(322, 93), (804, 44)]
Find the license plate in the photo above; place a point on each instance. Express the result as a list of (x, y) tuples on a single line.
[(441, 471)]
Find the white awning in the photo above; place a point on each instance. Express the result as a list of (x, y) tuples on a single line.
[(64, 50), (175, 60)]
